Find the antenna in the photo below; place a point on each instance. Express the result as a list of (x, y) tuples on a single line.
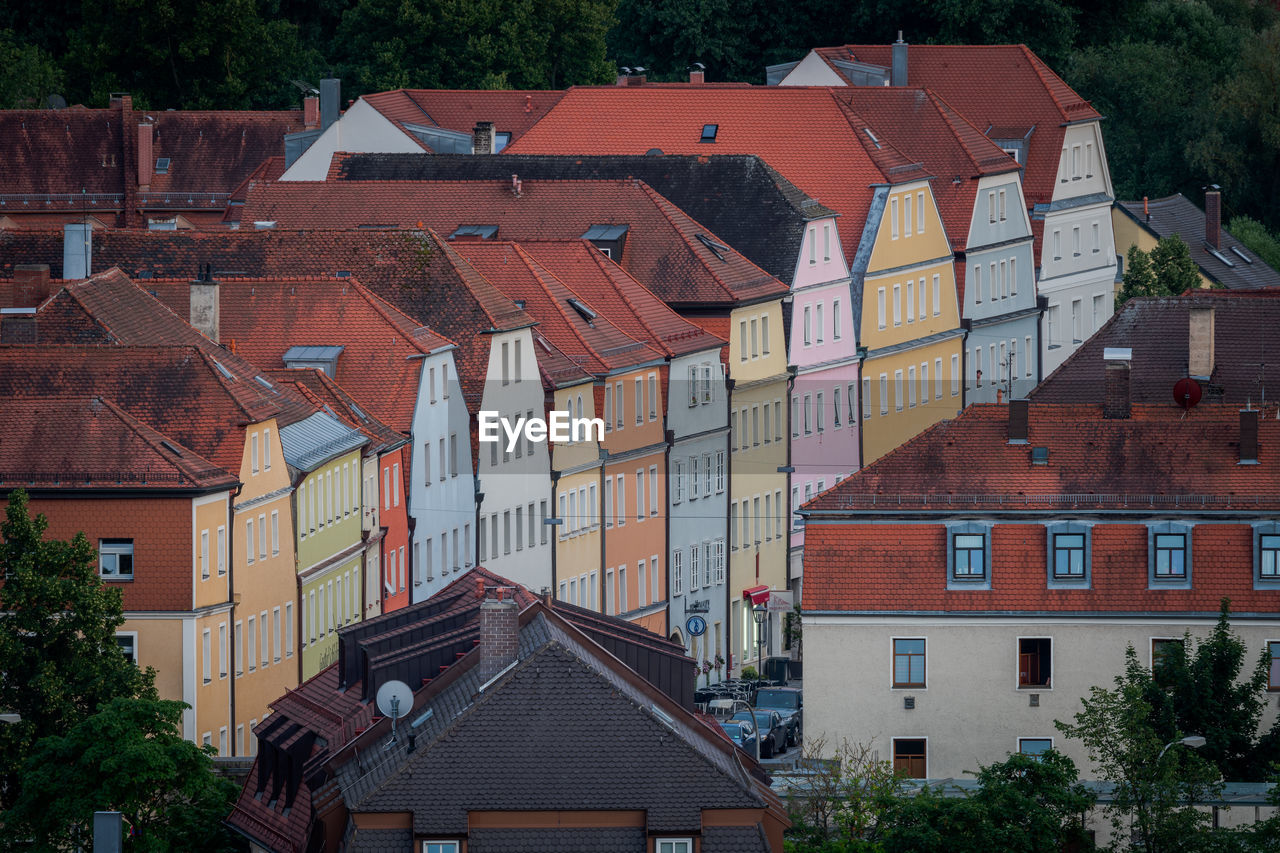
[(394, 700)]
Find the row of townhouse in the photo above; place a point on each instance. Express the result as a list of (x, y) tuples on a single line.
[(969, 589)]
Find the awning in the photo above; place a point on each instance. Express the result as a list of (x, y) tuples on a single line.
[(756, 594)]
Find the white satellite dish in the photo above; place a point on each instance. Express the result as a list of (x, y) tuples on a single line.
[(394, 700)]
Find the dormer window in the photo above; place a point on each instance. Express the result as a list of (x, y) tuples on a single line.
[(315, 357), (609, 239), (475, 232)]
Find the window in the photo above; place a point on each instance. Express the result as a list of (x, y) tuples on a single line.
[(608, 408), (911, 386), (653, 398), (826, 242), (275, 532), (808, 325), (262, 536), (677, 571), (639, 394), (897, 390), (1068, 555), (937, 379), (991, 206), (969, 553), (866, 398), (448, 846), (622, 500), (742, 340), (909, 757), (1035, 661), (880, 307), (1273, 653), (920, 213), (1028, 356), (288, 629), (673, 845), (906, 215), (237, 637), (1169, 553), (777, 420), (1034, 746), (835, 319), (204, 554), (128, 643), (808, 422), (253, 453), (115, 559), (619, 404), (897, 305), (937, 294), (835, 407), (908, 662), (764, 332), (222, 550), (911, 301), (206, 655), (893, 217), (222, 649), (720, 470), (955, 376), (884, 393), (1057, 245)]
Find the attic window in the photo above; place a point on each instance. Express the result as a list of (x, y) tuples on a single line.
[(323, 358), (1235, 250), (1039, 456), (475, 232), (171, 447), (709, 132), (1222, 257), (162, 165), (583, 311), (717, 249), (264, 224), (871, 136)]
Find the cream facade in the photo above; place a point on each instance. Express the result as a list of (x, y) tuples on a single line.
[(577, 477)]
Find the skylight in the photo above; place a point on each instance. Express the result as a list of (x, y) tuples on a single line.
[(709, 132), (874, 141), (162, 165), (223, 370), (583, 311), (1222, 257), (1235, 250), (717, 249), (482, 232), (171, 447)]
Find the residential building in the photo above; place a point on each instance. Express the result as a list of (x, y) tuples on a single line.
[(1053, 133), (1221, 259), (120, 166), (507, 650), (971, 588)]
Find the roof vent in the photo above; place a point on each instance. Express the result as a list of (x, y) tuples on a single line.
[(709, 132), (1039, 456), (171, 447)]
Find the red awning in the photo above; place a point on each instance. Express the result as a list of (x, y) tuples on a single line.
[(757, 594)]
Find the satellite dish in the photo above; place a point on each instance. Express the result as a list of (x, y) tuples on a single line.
[(55, 102), (1187, 392), (395, 699)]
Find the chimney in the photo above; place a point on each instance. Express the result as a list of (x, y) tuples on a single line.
[(697, 73), (310, 111), (1248, 436), (121, 101), (30, 285), (1018, 417), (330, 98), (499, 635), (636, 80), (1213, 218), (898, 73), (205, 304), (1200, 342), (145, 164), (17, 326), (482, 137), (77, 250), (1116, 382)]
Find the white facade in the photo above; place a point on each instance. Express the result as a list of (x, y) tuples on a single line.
[(1077, 249), (361, 129), (442, 482)]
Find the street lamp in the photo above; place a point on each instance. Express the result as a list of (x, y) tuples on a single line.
[(1191, 741), (761, 615)]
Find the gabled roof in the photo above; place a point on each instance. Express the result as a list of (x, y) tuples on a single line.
[(1003, 89), (738, 197), (69, 441), (1157, 331), (803, 133), (316, 386), (510, 111), (665, 249), (1234, 266), (926, 128)]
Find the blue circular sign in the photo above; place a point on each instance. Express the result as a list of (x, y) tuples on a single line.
[(696, 625)]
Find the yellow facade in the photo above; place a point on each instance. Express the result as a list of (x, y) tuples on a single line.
[(578, 542), (1129, 233), (759, 515), (330, 563), (265, 582), (210, 625), (910, 325)]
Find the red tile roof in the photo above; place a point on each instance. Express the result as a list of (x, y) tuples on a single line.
[(316, 386), (66, 440), (803, 133), (993, 85), (510, 111), (663, 249)]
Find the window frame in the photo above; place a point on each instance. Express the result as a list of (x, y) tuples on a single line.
[(1068, 528), (1273, 674), (132, 637), (969, 528), (894, 754), (1261, 531), (116, 576), (894, 684), (1046, 686), (1156, 530), (1035, 755)]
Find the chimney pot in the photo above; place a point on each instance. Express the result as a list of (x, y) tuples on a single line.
[(1248, 436), (499, 635), (1213, 218), (1018, 421), (311, 111), (1115, 404), (30, 285), (1200, 342)]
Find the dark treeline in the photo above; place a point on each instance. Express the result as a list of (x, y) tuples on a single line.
[(1190, 88)]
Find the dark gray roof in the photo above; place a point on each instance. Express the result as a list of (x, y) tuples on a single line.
[(563, 730), (557, 840), (734, 839), (378, 841), (1234, 266), (739, 197)]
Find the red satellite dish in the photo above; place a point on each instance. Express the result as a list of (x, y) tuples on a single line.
[(1187, 392)]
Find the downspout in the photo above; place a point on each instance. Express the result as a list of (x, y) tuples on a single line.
[(297, 579), (729, 438), (231, 585), (669, 439), (554, 535)]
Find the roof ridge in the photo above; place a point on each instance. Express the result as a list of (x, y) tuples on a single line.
[(666, 208), (154, 438)]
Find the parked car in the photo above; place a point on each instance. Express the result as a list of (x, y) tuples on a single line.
[(743, 734), (789, 703), (771, 730)]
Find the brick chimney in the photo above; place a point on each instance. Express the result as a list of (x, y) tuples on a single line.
[(205, 304), (1116, 382), (482, 138), (697, 73), (311, 111), (121, 101), (1248, 437), (1018, 417), (146, 165), (1213, 218), (30, 285), (1200, 342), (499, 634)]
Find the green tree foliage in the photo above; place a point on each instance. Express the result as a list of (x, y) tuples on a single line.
[(27, 74), (836, 806), (1154, 788), (1167, 270), (1255, 236), (58, 654), (129, 757), (485, 44)]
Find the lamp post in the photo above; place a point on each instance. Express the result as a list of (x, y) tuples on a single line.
[(761, 614), (1190, 741)]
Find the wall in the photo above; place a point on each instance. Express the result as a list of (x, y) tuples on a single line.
[(360, 129), (579, 505)]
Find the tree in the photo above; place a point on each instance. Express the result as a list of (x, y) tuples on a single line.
[(835, 806), (1155, 788), (1255, 236), (59, 659), (129, 757), (1167, 270), (27, 74)]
